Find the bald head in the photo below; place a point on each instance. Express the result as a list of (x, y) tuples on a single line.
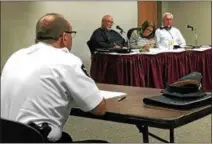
[(46, 20), (107, 17), (50, 27), (107, 22), (55, 30)]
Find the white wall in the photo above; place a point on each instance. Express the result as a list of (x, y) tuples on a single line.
[(18, 21), (195, 13)]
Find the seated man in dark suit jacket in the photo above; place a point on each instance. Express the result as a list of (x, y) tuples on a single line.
[(105, 37)]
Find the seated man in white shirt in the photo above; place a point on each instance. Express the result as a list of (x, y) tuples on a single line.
[(42, 83), (169, 36)]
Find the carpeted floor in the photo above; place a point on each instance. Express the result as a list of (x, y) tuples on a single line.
[(83, 128)]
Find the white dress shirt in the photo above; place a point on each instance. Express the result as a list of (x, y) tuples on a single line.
[(163, 37), (41, 84)]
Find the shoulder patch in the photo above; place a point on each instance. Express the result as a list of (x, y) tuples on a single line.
[(84, 70)]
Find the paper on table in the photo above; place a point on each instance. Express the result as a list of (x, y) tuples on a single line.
[(111, 94), (202, 48)]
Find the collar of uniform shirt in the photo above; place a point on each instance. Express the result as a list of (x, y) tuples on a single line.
[(48, 45)]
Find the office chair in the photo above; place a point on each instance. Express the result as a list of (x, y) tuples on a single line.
[(16, 132), (129, 33), (92, 50)]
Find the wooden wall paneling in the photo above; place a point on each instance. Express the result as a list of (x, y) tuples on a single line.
[(147, 10)]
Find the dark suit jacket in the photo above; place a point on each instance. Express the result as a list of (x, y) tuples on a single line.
[(102, 38)]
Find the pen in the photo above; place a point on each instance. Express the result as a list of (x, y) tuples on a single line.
[(121, 98)]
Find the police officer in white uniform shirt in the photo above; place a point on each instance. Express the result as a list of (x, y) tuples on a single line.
[(43, 82), (168, 35)]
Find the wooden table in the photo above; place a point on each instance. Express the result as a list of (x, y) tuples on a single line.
[(132, 110)]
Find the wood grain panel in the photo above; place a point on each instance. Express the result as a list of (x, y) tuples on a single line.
[(147, 10)]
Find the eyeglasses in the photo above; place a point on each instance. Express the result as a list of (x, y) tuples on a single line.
[(108, 21), (73, 33)]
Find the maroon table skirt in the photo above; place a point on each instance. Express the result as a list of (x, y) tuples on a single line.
[(155, 71)]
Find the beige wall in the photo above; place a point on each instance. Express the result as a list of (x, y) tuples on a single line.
[(195, 13), (18, 22), (164, 6)]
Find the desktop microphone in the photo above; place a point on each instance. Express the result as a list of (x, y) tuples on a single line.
[(122, 33), (118, 27), (190, 27)]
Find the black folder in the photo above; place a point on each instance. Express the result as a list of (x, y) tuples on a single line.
[(118, 50)]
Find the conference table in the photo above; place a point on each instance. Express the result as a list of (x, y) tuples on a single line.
[(153, 69), (132, 110)]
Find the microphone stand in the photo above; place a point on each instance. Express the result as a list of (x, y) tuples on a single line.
[(124, 36), (196, 38)]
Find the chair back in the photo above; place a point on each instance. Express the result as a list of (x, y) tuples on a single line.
[(16, 132), (129, 33), (92, 49)]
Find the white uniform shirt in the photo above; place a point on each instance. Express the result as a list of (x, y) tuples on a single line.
[(41, 84), (163, 37)]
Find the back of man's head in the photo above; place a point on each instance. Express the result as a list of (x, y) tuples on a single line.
[(50, 27)]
